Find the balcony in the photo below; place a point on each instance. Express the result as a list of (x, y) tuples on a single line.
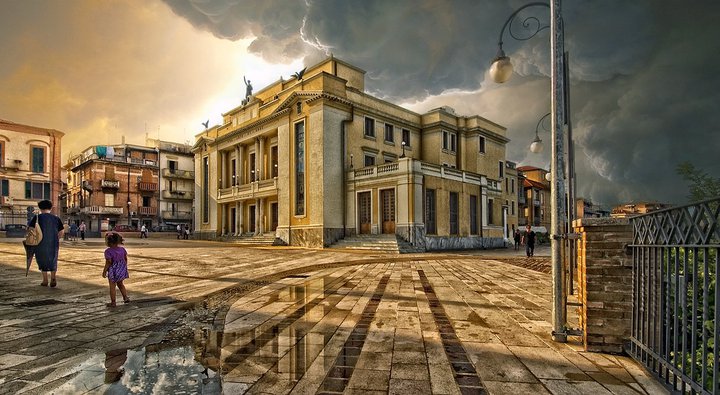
[(102, 210), (147, 186), (179, 195), (6, 201), (110, 184), (253, 190), (177, 215), (147, 210), (175, 173)]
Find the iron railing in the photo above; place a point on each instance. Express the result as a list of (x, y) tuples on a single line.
[(676, 299)]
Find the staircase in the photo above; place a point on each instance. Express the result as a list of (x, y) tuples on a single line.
[(376, 243), (249, 239)]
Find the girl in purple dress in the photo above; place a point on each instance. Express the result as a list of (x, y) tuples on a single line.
[(115, 266)]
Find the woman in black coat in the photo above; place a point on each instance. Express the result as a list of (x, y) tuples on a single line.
[(46, 253)]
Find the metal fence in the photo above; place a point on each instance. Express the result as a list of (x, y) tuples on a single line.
[(675, 331)]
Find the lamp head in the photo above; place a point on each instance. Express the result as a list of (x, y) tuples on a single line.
[(501, 69), (548, 176), (536, 146)]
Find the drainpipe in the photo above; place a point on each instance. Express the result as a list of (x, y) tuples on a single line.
[(343, 153)]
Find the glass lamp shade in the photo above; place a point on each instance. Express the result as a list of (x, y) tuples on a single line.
[(501, 69), (548, 176), (536, 146)]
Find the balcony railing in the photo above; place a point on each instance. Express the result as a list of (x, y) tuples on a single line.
[(147, 210), (257, 189), (170, 215), (175, 173), (148, 186), (110, 184), (102, 210), (174, 194)]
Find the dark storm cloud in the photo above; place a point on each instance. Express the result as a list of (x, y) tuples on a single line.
[(643, 78)]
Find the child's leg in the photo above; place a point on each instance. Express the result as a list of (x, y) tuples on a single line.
[(112, 291), (123, 291)]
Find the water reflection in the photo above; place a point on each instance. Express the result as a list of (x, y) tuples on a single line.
[(114, 361)]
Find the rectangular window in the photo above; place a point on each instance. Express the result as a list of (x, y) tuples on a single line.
[(512, 186), (507, 185), (473, 215), (490, 211), (274, 160), (4, 187), (481, 141), (513, 208), (501, 168), (146, 201), (37, 190), (430, 224), (109, 199), (206, 190), (406, 137), (369, 160), (389, 133), (369, 127), (251, 168), (172, 165), (38, 159), (300, 168), (454, 213), (449, 141)]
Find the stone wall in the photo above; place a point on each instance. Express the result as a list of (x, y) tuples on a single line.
[(604, 282), (440, 243)]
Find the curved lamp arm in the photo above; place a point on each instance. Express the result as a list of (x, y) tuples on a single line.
[(501, 68), (537, 145)]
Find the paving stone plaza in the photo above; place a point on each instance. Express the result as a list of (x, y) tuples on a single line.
[(214, 318)]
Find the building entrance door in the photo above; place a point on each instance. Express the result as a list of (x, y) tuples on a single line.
[(233, 230), (274, 214), (251, 219), (364, 212), (387, 196)]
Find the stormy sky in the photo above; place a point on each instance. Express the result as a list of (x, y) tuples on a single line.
[(644, 85)]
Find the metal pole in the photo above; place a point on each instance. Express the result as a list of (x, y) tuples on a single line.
[(557, 193)]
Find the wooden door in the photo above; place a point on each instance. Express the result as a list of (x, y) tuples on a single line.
[(387, 197), (364, 212)]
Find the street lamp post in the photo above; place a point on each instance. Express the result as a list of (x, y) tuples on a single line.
[(403, 149), (500, 71), (536, 146)]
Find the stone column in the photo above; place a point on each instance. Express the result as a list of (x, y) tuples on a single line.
[(257, 159), (239, 155), (223, 168), (239, 218), (223, 219), (604, 282), (257, 216), (262, 216)]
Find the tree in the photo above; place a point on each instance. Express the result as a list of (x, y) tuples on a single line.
[(702, 185)]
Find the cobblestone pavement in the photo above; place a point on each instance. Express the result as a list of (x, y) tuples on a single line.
[(212, 318)]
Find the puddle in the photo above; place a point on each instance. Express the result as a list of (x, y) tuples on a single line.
[(198, 360)]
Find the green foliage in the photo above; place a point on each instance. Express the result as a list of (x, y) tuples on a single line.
[(702, 185)]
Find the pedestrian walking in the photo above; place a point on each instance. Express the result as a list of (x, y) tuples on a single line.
[(529, 241), (143, 232), (115, 269), (82, 230), (516, 237), (186, 234), (46, 252), (73, 231), (179, 232)]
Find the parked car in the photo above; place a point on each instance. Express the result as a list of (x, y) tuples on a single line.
[(124, 228), (15, 230), (164, 228)]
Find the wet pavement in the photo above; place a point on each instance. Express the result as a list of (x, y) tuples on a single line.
[(210, 318)]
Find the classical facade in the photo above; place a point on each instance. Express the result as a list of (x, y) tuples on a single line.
[(315, 160), (111, 185), (534, 203), (29, 169), (177, 182)]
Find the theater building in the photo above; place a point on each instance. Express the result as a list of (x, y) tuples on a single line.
[(316, 160)]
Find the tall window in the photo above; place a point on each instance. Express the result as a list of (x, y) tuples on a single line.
[(430, 224), (389, 133), (109, 199), (369, 160), (172, 165), (38, 159), (473, 215), (4, 187), (449, 141), (512, 186), (300, 168), (481, 141), (406, 137), (454, 213), (513, 208), (490, 211), (37, 190), (146, 201), (501, 169), (369, 127), (507, 185), (206, 191), (251, 168), (274, 160)]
